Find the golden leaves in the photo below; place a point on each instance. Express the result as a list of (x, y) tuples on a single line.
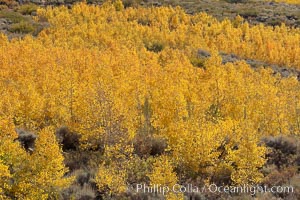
[(40, 175), (108, 72), (289, 1)]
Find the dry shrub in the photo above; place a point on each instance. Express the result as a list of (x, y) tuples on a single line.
[(282, 152), (280, 177), (26, 139), (9, 3), (222, 176), (68, 139), (3, 7), (79, 193), (131, 3), (146, 145)]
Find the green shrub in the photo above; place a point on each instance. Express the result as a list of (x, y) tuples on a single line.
[(22, 27), (248, 13), (14, 17), (27, 9), (237, 1), (131, 3), (155, 47), (274, 22), (38, 29), (198, 62)]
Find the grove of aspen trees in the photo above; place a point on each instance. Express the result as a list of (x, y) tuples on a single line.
[(119, 76)]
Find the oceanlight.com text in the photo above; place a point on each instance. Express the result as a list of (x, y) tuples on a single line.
[(212, 188)]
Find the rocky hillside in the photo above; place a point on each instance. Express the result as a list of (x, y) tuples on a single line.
[(255, 11), (16, 16)]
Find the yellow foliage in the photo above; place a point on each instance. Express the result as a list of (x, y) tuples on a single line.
[(111, 178), (96, 67), (4, 178), (288, 1), (249, 156), (48, 163), (40, 175), (163, 175), (112, 174)]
